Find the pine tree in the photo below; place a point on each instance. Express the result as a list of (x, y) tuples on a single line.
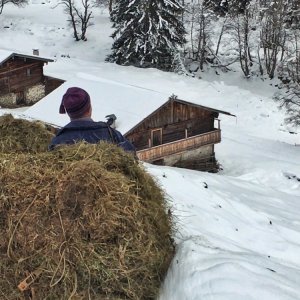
[(148, 32)]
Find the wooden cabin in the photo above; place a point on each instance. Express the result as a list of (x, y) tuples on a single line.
[(22, 80), (179, 133)]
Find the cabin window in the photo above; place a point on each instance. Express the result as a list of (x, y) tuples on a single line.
[(156, 137), (28, 72)]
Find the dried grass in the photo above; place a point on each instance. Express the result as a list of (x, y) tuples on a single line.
[(18, 135), (88, 218)]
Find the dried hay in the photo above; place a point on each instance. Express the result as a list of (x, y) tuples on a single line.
[(88, 219), (18, 135)]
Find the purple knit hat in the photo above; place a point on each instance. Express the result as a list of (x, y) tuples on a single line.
[(75, 102)]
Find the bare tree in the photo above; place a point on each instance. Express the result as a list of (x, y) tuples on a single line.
[(15, 2), (290, 100), (223, 7), (289, 73), (105, 3), (79, 18), (273, 36), (223, 29), (199, 19), (242, 31), (242, 25), (203, 36)]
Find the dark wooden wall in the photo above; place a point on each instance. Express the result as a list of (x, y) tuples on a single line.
[(19, 73), (174, 118), (51, 84)]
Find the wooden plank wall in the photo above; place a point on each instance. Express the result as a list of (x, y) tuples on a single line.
[(51, 84), (3, 86), (14, 77), (174, 118)]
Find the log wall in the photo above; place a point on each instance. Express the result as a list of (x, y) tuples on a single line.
[(51, 84), (177, 122), (18, 74)]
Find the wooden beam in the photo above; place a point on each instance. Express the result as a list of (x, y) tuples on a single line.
[(194, 142), (19, 68)]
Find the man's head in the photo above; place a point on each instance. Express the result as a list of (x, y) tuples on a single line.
[(76, 103)]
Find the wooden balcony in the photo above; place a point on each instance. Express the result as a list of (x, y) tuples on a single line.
[(193, 142)]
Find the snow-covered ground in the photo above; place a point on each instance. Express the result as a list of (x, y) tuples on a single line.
[(239, 230)]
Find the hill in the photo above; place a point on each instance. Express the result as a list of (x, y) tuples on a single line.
[(239, 230)]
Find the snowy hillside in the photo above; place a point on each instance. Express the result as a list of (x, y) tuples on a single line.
[(239, 230)]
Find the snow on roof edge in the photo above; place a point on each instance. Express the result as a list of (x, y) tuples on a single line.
[(7, 54)]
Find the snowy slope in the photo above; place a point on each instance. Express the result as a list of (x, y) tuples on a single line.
[(239, 230)]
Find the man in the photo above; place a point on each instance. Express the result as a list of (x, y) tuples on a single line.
[(76, 103)]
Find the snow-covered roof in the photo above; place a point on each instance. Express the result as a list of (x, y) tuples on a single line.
[(130, 104), (6, 55)]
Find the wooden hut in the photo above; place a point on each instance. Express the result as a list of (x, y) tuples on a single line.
[(22, 80), (179, 133)]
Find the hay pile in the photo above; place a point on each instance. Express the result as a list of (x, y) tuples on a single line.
[(20, 135), (85, 221)]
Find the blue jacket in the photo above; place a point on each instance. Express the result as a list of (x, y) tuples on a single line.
[(91, 132)]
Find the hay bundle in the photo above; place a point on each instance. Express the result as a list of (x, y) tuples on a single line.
[(18, 135), (85, 221)]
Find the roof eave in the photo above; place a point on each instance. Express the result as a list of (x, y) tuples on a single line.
[(130, 130), (204, 107), (26, 56), (172, 99)]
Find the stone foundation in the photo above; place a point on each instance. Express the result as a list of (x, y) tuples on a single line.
[(202, 159), (8, 100), (34, 94), (28, 97)]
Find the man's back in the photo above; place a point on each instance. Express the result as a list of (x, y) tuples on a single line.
[(91, 132), (76, 103)]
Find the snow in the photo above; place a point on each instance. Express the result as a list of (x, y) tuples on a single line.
[(4, 54), (238, 231), (130, 104)]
